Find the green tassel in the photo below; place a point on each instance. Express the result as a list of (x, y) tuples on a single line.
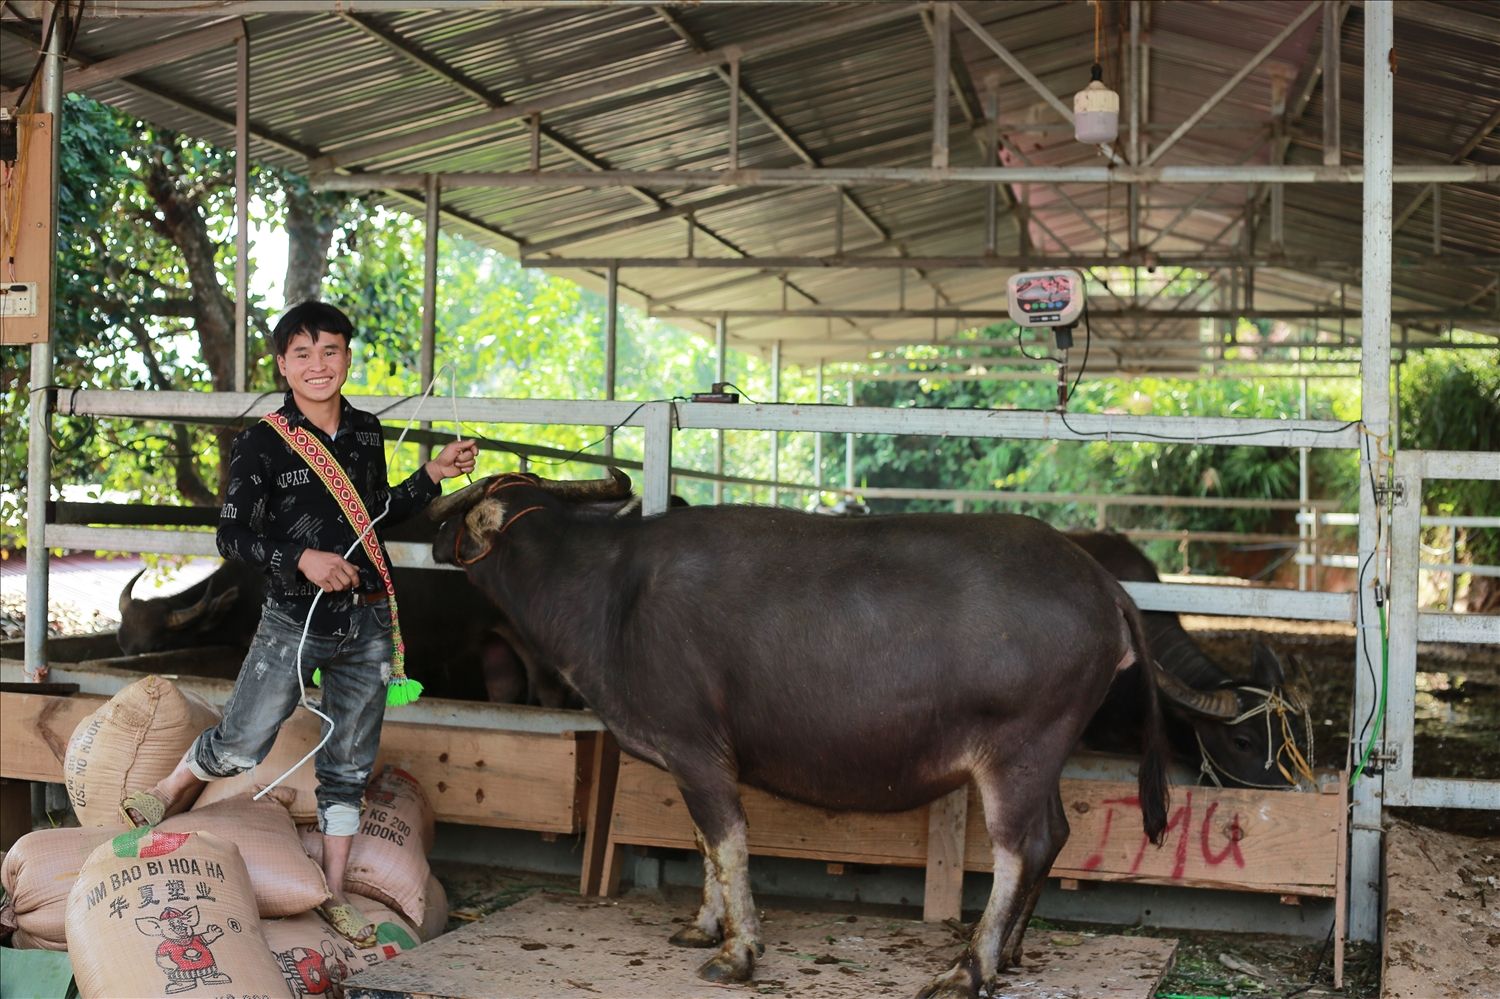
[(318, 677), (402, 691)]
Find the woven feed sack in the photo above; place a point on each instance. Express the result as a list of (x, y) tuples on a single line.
[(285, 879), (38, 872), (159, 913), (298, 736), (315, 959), (388, 858), (132, 741), (435, 917)]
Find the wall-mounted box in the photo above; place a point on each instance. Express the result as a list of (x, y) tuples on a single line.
[(25, 233)]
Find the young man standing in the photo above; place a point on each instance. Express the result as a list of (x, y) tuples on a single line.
[(286, 511)]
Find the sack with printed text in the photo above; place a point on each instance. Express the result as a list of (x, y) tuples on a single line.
[(159, 913), (315, 959), (132, 741), (388, 858)]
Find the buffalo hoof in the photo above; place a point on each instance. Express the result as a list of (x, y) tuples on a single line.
[(694, 936), (728, 966), (959, 982)]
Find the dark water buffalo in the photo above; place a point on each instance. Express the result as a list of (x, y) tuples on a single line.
[(453, 639), (222, 609), (1205, 705), (870, 664)]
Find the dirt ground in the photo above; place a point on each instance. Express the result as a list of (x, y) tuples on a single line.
[(1208, 965)]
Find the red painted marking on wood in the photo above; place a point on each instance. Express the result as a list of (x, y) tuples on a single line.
[(1232, 851)]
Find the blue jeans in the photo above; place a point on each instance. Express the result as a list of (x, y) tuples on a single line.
[(356, 666)]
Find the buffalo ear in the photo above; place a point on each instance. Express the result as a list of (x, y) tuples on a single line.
[(1266, 668)]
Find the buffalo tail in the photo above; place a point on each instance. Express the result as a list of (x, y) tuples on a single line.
[(1152, 782)]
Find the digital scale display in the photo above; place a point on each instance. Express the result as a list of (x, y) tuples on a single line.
[(1045, 298)]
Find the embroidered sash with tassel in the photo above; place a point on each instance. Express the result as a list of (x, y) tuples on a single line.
[(402, 689)]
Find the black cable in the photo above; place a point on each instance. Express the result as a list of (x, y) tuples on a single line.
[(1195, 439), (753, 402), (1021, 346), (1088, 342), (1359, 589)]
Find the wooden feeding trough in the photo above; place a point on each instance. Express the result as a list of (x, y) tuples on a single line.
[(1277, 842), (505, 766)]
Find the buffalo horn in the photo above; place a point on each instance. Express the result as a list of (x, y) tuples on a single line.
[(1222, 705), (125, 598), (1298, 683), (616, 487), (184, 616), (446, 506)]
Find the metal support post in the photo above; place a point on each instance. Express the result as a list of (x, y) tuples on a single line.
[(656, 485), (776, 434), (992, 158), (427, 357), (942, 36), (242, 212), (849, 448), (734, 112), (1437, 219), (1304, 511), (611, 338), (1332, 58), (818, 442), (721, 347), (39, 453), (1375, 374)]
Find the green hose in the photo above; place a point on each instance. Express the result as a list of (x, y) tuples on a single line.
[(1385, 669)]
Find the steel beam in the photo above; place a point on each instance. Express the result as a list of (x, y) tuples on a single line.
[(987, 423), (170, 50), (999, 311), (776, 265), (1467, 173), (619, 83)]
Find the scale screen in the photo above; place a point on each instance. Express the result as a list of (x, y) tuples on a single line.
[(1045, 298)]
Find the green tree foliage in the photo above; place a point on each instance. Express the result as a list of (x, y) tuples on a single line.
[(1113, 468), (1450, 401)]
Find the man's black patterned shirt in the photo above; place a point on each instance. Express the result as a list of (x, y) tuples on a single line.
[(276, 508)]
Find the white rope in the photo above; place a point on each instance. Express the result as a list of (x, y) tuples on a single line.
[(1272, 703), (302, 686)]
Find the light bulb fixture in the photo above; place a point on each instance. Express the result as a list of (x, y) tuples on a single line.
[(1096, 111)]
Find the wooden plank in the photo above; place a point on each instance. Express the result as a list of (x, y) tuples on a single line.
[(946, 818), (1441, 917), (1282, 842), (1244, 840), (512, 780), (34, 735), (649, 812), (557, 945), (604, 754)]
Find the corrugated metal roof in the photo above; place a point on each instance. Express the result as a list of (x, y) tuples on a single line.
[(324, 83)]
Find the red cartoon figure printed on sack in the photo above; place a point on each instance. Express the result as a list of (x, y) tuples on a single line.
[(309, 973), (183, 953)]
